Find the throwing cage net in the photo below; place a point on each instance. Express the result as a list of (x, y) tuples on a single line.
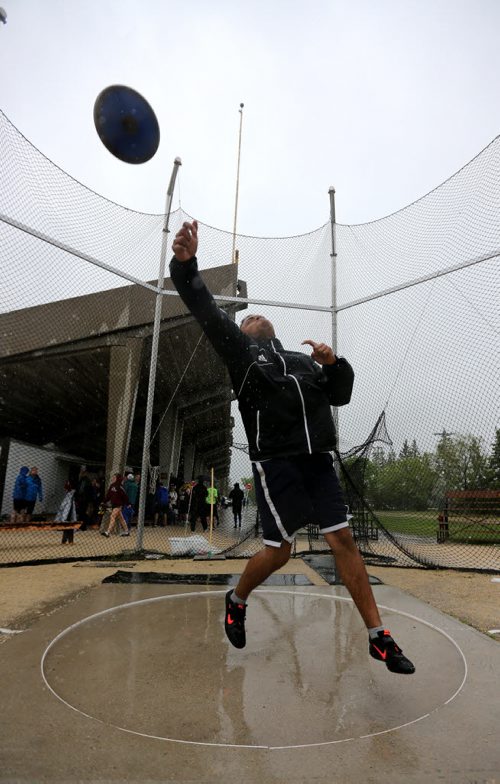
[(415, 308)]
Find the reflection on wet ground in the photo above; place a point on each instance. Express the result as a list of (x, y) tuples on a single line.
[(305, 676), (200, 579)]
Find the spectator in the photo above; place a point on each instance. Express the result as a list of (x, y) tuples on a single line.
[(199, 506), (131, 488), (67, 513), (237, 495), (174, 498), (97, 499), (183, 502), (19, 496), (34, 491), (117, 497), (83, 497), (162, 499), (212, 500)]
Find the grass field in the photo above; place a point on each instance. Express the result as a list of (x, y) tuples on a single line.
[(426, 524)]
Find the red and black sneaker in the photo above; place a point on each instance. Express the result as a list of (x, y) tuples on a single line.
[(234, 622), (383, 648)]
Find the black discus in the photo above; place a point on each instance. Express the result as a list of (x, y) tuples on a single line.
[(126, 124)]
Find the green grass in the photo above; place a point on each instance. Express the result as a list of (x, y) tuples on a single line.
[(413, 523), (426, 524)]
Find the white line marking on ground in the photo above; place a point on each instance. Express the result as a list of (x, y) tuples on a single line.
[(11, 631), (241, 745)]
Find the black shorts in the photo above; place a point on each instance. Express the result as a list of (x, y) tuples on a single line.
[(295, 491), (30, 505), (19, 505)]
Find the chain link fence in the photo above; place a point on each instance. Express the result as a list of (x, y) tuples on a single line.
[(415, 308)]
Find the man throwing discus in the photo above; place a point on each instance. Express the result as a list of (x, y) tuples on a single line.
[(285, 400)]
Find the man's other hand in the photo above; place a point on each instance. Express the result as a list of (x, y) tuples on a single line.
[(185, 243), (321, 353)]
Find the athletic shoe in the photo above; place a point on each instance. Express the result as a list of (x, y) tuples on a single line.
[(125, 534), (104, 533), (234, 622), (383, 648)]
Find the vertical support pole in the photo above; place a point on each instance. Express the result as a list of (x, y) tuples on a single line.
[(154, 356), (172, 447), (212, 499), (234, 255), (333, 256)]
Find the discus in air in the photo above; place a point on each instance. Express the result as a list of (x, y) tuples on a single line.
[(126, 124)]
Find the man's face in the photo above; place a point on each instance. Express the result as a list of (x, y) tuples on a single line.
[(257, 327)]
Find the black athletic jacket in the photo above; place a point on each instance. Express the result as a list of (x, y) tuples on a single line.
[(284, 396)]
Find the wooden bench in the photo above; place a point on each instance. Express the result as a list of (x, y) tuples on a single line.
[(68, 529), (468, 509)]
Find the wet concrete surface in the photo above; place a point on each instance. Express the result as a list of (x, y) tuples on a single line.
[(324, 565), (138, 683)]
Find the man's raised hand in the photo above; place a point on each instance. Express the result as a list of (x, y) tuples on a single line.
[(321, 353), (185, 243)]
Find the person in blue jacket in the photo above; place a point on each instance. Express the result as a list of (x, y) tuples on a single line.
[(19, 496), (34, 491), (162, 499)]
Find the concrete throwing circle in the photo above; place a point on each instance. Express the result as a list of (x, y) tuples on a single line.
[(162, 668)]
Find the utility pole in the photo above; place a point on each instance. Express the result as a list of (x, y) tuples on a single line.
[(444, 434)]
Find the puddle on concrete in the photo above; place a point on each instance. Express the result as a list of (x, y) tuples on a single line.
[(200, 579)]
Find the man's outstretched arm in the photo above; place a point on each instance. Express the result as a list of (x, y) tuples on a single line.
[(225, 336)]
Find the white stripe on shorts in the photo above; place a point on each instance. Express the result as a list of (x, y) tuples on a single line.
[(271, 506), (271, 543), (338, 526), (335, 527)]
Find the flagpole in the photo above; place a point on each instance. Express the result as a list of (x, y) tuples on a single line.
[(234, 254)]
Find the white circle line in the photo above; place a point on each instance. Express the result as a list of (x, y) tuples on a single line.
[(152, 599)]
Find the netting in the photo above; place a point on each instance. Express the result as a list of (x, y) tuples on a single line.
[(418, 316)]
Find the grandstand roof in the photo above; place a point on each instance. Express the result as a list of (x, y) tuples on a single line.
[(55, 365)]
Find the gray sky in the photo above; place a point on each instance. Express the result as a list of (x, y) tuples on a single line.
[(382, 99)]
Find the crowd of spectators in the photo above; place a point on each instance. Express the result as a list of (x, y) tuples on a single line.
[(86, 499)]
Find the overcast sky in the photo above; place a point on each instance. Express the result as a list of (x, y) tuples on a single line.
[(383, 100)]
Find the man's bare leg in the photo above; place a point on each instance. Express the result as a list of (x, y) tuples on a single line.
[(353, 572), (260, 566)]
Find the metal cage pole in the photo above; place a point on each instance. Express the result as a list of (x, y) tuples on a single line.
[(234, 254), (333, 256), (154, 357)]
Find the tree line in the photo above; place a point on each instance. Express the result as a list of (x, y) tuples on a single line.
[(419, 480)]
